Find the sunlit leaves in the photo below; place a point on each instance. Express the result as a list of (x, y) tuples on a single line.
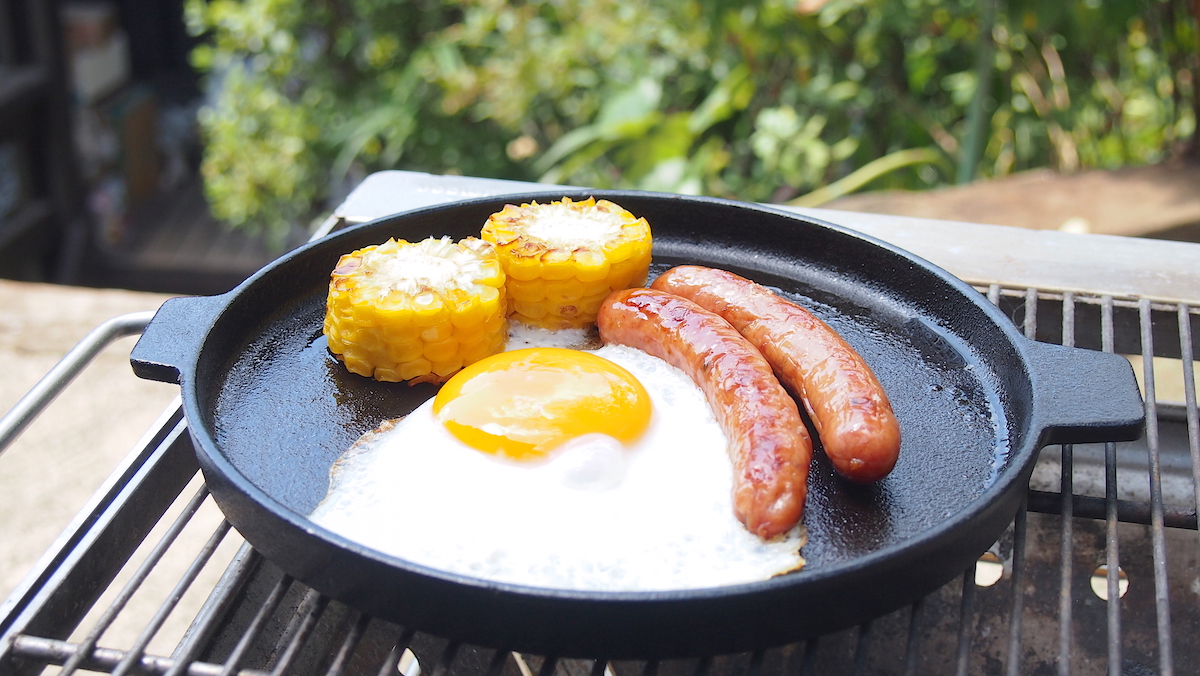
[(756, 100), (273, 154)]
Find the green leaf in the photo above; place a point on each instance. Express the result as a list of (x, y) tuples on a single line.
[(630, 109), (571, 142), (732, 94)]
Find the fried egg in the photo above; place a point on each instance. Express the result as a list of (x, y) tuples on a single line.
[(565, 469)]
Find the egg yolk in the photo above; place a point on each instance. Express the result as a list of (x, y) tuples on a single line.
[(522, 404)]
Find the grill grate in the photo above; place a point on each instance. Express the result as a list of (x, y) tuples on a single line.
[(1125, 511), (258, 620)]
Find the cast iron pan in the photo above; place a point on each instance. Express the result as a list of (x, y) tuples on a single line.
[(270, 410)]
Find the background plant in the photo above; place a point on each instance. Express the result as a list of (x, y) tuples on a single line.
[(763, 100)]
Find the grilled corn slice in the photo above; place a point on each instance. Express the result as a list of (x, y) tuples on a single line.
[(563, 258), (416, 312)]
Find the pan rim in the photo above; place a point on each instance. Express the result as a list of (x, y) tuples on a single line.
[(1018, 461)]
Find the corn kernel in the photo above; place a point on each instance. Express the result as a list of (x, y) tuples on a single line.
[(447, 367), (526, 292), (440, 351), (535, 310), (387, 375), (405, 351), (592, 266), (417, 368)]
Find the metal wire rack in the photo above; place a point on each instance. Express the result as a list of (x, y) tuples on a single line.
[(1081, 582), (1098, 573)]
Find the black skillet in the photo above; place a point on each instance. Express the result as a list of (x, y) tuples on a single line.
[(269, 410)]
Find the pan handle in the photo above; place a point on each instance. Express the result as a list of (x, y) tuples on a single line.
[(1083, 396), (171, 342)]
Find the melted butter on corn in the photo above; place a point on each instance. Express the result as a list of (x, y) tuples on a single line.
[(416, 312), (434, 264), (562, 259), (563, 225)]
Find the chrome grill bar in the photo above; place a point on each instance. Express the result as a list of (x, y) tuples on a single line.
[(50, 651), (15, 421), (913, 641), (216, 605), (1016, 615), (964, 622), (1162, 600), (176, 594), (132, 586), (390, 665), (1189, 393), (349, 643), (1128, 511), (256, 625), (1112, 553), (500, 657), (303, 623), (1066, 493)]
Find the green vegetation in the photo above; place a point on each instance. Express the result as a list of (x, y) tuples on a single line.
[(763, 101)]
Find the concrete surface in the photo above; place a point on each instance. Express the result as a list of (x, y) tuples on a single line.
[(58, 462), (54, 467)]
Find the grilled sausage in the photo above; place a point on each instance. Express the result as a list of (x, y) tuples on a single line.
[(768, 443), (847, 405)]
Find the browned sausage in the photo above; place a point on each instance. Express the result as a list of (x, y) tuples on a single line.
[(768, 443), (853, 416)]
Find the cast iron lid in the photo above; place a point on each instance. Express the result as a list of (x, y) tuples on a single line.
[(270, 410)]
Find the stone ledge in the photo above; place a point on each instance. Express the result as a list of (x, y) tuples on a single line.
[(1133, 201)]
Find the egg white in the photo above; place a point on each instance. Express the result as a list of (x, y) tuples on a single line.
[(656, 516)]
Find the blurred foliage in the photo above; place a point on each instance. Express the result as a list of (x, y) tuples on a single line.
[(762, 100)]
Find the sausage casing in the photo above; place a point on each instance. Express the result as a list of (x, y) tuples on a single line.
[(847, 404), (768, 443)]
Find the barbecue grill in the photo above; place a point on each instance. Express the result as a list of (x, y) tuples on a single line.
[(1113, 521)]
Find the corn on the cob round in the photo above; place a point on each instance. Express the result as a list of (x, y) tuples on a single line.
[(563, 258), (416, 312)]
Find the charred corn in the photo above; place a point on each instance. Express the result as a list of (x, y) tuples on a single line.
[(563, 258), (416, 312)]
